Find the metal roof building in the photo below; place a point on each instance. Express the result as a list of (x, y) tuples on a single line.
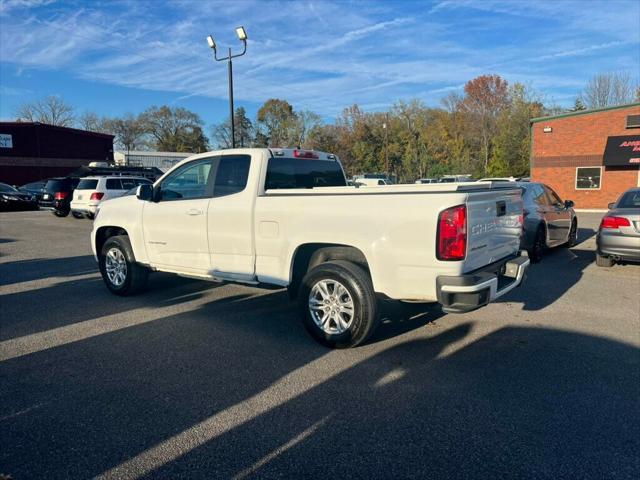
[(141, 158)]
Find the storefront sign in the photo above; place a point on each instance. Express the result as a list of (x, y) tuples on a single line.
[(6, 141), (624, 150)]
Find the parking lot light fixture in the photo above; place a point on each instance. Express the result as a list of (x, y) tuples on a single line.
[(242, 35), (211, 42)]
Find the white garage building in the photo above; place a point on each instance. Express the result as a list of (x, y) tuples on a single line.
[(140, 158)]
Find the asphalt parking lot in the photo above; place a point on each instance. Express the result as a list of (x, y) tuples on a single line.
[(199, 380)]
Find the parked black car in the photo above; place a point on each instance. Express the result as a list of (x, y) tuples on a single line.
[(548, 221), (57, 195), (12, 199), (34, 188)]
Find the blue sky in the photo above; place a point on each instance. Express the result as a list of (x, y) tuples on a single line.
[(118, 56)]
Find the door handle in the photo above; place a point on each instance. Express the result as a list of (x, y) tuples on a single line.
[(194, 211)]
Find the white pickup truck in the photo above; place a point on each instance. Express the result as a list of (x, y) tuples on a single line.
[(287, 217)]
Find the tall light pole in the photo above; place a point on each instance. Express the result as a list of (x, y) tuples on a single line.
[(242, 36), (386, 144)]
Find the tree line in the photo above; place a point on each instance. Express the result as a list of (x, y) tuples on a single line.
[(483, 131)]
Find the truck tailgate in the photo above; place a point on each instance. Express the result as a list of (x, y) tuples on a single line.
[(494, 226)]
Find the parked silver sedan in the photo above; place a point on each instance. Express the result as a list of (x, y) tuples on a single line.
[(619, 233)]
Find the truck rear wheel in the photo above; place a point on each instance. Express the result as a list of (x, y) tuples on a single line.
[(120, 272), (338, 304)]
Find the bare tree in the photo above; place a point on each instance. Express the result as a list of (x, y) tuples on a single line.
[(128, 130), (608, 89), (92, 122), (51, 110)]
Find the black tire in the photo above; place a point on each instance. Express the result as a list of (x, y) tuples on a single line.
[(77, 215), (358, 284), (60, 213), (573, 235), (135, 276), (539, 246), (603, 261), (90, 216)]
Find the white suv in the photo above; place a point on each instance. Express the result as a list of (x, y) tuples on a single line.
[(91, 191)]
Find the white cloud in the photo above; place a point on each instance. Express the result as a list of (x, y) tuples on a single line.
[(322, 55)]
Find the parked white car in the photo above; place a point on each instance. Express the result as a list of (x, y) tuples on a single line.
[(455, 178), (499, 179), (287, 217), (92, 191), (371, 182)]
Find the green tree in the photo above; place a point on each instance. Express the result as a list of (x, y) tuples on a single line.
[(129, 131), (578, 105), (485, 99), (276, 122), (511, 145), (244, 131), (174, 129)]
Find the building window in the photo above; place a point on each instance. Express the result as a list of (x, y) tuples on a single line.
[(588, 178)]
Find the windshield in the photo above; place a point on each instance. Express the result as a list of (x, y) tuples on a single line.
[(87, 184), (54, 185), (630, 200), (7, 188)]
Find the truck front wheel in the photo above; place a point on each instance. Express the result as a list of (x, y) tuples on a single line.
[(338, 304), (121, 273)]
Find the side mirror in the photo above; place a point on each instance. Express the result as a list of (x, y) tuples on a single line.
[(144, 192), (568, 204), (611, 205)]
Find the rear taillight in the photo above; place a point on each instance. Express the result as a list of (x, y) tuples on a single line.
[(305, 154), (61, 195), (96, 196), (452, 233), (615, 222)]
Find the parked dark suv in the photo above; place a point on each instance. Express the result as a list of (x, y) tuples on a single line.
[(57, 195)]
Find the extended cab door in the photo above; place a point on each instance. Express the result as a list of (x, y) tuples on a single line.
[(231, 236), (175, 224)]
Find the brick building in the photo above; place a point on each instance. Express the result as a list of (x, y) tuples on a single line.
[(35, 151), (590, 156)]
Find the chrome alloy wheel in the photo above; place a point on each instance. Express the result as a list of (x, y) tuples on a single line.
[(331, 306), (116, 267)]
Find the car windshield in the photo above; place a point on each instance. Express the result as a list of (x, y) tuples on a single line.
[(7, 188), (87, 184), (629, 200)]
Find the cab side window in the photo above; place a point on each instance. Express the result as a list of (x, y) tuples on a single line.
[(189, 181), (231, 175)]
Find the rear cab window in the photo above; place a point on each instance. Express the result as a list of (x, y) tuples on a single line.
[(285, 173)]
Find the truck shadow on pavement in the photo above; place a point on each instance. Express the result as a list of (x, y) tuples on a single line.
[(519, 402), (42, 268), (74, 301), (551, 278), (236, 388)]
